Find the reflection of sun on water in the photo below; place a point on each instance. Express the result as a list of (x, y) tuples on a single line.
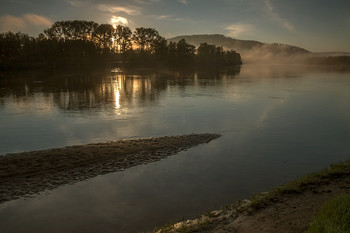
[(117, 84), (117, 99)]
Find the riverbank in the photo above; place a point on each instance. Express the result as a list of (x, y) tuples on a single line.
[(28, 173), (289, 208)]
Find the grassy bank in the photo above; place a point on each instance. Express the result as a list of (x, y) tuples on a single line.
[(322, 185), (334, 217)]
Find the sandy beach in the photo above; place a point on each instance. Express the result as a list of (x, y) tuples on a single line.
[(27, 173)]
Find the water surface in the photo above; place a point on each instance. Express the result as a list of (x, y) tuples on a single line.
[(277, 123)]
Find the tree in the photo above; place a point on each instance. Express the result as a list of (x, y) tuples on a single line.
[(207, 53), (231, 57), (103, 36), (123, 38), (185, 51), (15, 47), (85, 42), (159, 47), (71, 30), (83, 30), (57, 31), (144, 37)]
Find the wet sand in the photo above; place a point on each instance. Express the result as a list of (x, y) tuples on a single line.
[(25, 174)]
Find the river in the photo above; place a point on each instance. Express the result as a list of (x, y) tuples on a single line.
[(277, 123)]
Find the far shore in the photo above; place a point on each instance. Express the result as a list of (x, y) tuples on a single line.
[(28, 173)]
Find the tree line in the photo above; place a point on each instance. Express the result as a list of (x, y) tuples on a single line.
[(340, 61), (80, 42)]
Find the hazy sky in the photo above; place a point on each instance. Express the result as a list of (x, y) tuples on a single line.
[(316, 25)]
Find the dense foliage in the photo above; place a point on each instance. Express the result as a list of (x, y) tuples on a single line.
[(85, 42)]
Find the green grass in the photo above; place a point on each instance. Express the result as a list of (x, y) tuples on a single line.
[(334, 217), (309, 182)]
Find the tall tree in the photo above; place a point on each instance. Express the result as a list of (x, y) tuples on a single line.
[(15, 47), (57, 31), (144, 37), (207, 53), (185, 51), (231, 57), (159, 47), (71, 30), (103, 36), (123, 38)]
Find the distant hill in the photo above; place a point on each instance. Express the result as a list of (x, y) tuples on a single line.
[(250, 50)]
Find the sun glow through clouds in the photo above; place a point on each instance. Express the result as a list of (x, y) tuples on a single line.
[(118, 20)]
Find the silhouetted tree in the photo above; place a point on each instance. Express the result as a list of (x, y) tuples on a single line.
[(123, 38), (215, 55), (85, 42), (15, 48), (103, 36), (231, 57), (144, 37), (71, 30), (159, 47), (185, 52), (207, 53)]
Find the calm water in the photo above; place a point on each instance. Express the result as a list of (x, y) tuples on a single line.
[(277, 123)]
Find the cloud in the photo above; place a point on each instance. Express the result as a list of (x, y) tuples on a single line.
[(183, 1), (164, 16), (118, 9), (118, 20), (29, 23), (11, 23), (146, 2), (237, 29), (275, 16), (76, 3), (37, 20)]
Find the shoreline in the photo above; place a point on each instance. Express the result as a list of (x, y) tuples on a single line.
[(288, 208), (28, 173)]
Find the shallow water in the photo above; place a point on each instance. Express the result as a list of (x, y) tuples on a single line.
[(277, 123)]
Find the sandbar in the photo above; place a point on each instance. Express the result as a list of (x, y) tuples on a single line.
[(28, 173)]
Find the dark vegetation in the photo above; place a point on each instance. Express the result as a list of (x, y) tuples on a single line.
[(82, 43), (275, 53), (242, 45), (330, 61)]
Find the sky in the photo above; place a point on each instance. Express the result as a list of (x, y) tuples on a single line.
[(316, 25)]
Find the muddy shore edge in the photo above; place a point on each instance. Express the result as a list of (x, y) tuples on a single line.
[(28, 173), (288, 208)]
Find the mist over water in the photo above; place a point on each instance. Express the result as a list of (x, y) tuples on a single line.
[(277, 123)]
